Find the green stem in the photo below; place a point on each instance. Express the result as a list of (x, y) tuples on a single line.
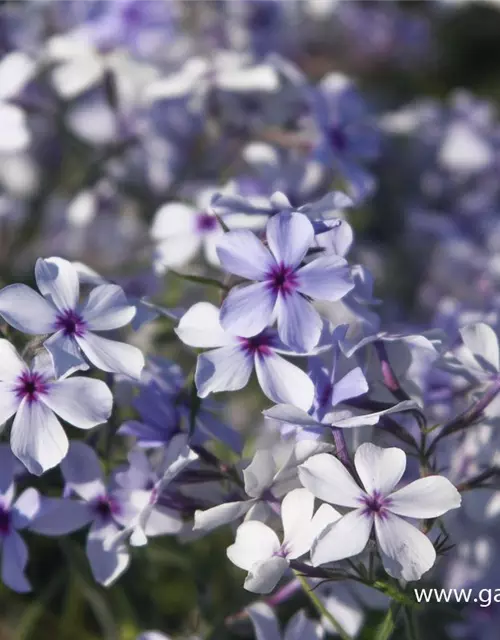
[(388, 624), (320, 607), (410, 624)]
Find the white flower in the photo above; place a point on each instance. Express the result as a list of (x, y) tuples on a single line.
[(266, 625), (258, 550), (406, 552), (72, 324)]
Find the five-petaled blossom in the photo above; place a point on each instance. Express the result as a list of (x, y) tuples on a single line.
[(405, 551), (257, 548), (36, 398), (229, 364), (58, 311), (283, 288)]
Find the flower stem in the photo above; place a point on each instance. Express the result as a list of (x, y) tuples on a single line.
[(320, 607), (388, 624)]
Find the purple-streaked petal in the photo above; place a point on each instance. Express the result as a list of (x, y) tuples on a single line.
[(222, 514), (224, 369), (82, 471), (283, 382), (107, 561), (107, 308), (406, 552), (111, 355), (299, 324), (25, 508), (247, 310), (37, 437), (352, 385), (83, 402), (379, 469), (242, 253), (60, 516), (289, 236), (200, 327), (326, 278), (427, 497), (327, 478), (264, 576), (255, 542), (57, 280), (11, 363), (264, 621), (296, 514), (26, 310), (65, 354), (14, 561), (343, 539)]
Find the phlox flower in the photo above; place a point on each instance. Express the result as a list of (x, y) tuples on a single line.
[(36, 398), (258, 550), (406, 552), (266, 625), (283, 288), (72, 325)]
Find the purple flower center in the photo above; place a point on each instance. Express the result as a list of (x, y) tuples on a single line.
[(375, 505), (338, 139), (106, 507), (205, 223), (5, 521), (30, 385), (71, 323), (282, 279), (260, 344)]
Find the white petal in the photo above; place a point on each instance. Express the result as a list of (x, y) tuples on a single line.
[(264, 576), (292, 415), (224, 369), (57, 280), (173, 219), (259, 474), (15, 132), (83, 402), (82, 471), (37, 437), (343, 539), (482, 341), (11, 363), (242, 253), (247, 310), (428, 497), (283, 382), (300, 627), (379, 469), (107, 308), (112, 356), (352, 385), (200, 327), (296, 514), (107, 562), (289, 235), (163, 521), (264, 622), (326, 278), (26, 310), (210, 519), (327, 478), (324, 517), (406, 552), (299, 324), (65, 354), (14, 561), (254, 543), (176, 252)]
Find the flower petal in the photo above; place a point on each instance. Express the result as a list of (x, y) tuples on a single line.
[(283, 382), (224, 369), (264, 621), (247, 310), (60, 516), (11, 363), (352, 385), (83, 402), (200, 327), (9, 402), (173, 219), (428, 497), (107, 562), (406, 552), (82, 471), (26, 310), (264, 576), (379, 469), (289, 235), (111, 355), (343, 539), (327, 478), (210, 519), (107, 308), (65, 354), (14, 561), (482, 341), (57, 280), (243, 254), (299, 324), (292, 415), (326, 278), (255, 542), (37, 437), (296, 514), (25, 508)]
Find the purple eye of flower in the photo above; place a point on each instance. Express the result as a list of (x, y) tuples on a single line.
[(71, 323), (282, 279), (375, 505), (258, 344), (338, 139), (30, 385), (205, 222), (5, 521), (106, 507)]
